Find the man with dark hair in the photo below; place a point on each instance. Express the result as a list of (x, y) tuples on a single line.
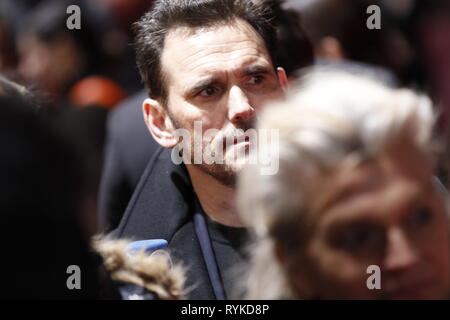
[(166, 16), (128, 148), (206, 64)]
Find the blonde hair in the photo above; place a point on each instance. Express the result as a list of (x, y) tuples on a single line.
[(332, 119)]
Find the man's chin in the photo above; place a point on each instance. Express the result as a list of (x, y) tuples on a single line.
[(225, 174)]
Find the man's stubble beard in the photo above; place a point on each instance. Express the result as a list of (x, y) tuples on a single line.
[(223, 173)]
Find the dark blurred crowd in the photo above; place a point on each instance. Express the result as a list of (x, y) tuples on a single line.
[(53, 133), (75, 76), (63, 93)]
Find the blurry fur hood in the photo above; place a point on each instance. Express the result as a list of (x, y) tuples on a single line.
[(152, 272)]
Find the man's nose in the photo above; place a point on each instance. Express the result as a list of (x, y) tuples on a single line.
[(239, 108), (401, 253)]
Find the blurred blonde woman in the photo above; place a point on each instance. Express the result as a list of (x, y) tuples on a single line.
[(354, 191)]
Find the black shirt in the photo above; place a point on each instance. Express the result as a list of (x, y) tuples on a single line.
[(228, 244)]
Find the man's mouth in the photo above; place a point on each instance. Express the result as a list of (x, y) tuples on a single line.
[(234, 141)]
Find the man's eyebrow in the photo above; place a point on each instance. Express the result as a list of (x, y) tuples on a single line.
[(213, 80), (256, 69), (201, 84)]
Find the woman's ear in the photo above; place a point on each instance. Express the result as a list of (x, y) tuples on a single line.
[(158, 123)]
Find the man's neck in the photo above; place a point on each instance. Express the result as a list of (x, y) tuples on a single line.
[(216, 199)]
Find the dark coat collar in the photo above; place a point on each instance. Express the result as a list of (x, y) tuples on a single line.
[(161, 203), (162, 207)]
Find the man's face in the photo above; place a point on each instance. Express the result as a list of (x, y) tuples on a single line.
[(387, 214), (218, 77)]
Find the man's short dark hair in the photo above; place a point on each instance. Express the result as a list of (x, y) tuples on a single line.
[(167, 14), (294, 50)]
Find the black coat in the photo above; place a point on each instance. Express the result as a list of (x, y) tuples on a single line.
[(129, 147), (162, 207)]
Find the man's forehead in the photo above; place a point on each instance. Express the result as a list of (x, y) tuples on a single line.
[(188, 31), (211, 49)]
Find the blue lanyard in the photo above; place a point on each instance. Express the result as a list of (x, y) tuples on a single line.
[(208, 254)]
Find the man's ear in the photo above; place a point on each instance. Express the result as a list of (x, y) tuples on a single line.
[(158, 123), (282, 78)]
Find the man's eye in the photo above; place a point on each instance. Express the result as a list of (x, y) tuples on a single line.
[(208, 92), (255, 80)]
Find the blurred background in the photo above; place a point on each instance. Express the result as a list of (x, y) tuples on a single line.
[(75, 77)]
